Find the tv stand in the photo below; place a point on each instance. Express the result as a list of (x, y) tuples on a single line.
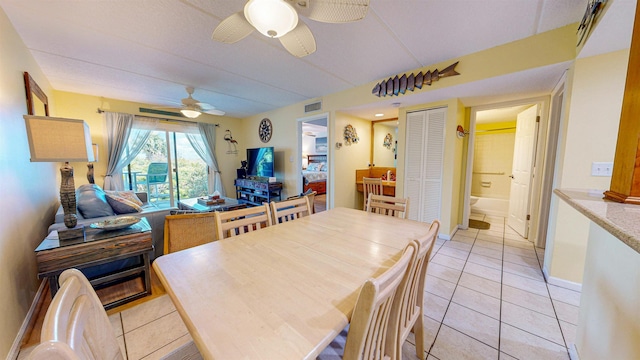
[(255, 192)]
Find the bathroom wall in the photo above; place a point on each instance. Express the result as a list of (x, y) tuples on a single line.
[(492, 161)]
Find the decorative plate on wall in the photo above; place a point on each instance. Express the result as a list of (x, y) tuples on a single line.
[(350, 135), (387, 141), (265, 130)]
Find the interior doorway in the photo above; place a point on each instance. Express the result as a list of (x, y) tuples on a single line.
[(313, 158), (495, 160)]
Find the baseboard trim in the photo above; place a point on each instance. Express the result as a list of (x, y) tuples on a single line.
[(573, 352), (561, 282), (448, 236), (26, 324)]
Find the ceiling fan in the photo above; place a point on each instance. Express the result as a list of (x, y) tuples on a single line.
[(192, 108), (280, 19)]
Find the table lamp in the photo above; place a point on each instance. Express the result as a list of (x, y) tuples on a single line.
[(90, 177), (61, 140)]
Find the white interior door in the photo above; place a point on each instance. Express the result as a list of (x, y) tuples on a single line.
[(523, 153)]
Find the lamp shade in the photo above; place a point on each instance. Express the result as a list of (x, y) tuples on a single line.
[(94, 147), (57, 139), (272, 18)]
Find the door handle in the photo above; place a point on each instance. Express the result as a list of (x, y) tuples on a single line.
[(511, 176)]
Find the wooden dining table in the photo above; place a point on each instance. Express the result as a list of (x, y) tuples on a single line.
[(285, 291)]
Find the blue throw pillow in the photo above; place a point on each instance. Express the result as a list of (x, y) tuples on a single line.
[(122, 205), (92, 202)]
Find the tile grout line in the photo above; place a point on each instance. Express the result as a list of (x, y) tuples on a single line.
[(501, 285), (450, 300), (553, 305), (124, 339)]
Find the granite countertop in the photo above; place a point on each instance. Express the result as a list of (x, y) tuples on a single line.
[(621, 220)]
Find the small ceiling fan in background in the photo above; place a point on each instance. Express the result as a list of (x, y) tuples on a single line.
[(192, 108), (280, 19)]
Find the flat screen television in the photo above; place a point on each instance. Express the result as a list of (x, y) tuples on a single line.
[(260, 162)]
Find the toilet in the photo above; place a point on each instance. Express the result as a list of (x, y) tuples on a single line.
[(473, 200)]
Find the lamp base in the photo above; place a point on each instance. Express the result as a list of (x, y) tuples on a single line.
[(73, 233)]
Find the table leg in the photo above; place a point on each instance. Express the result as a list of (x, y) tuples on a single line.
[(53, 285), (147, 274)]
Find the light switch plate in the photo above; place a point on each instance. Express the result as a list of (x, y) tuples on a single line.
[(601, 168)]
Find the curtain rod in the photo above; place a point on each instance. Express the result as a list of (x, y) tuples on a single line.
[(509, 128), (100, 111)]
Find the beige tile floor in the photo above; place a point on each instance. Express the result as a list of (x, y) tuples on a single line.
[(153, 330), (486, 298)]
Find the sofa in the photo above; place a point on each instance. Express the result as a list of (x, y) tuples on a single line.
[(93, 207)]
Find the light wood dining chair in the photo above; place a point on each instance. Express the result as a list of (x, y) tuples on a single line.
[(370, 186), (76, 325), (184, 231), (368, 329), (388, 205), (236, 222), (288, 210), (408, 307), (311, 196)]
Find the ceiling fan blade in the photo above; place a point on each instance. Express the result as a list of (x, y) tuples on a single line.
[(232, 29), (205, 106), (215, 112), (337, 11), (299, 41)]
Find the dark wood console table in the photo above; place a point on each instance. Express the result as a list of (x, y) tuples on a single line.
[(98, 248), (255, 192)]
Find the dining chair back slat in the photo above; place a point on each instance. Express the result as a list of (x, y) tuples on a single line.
[(408, 307), (370, 186), (368, 330), (289, 210), (388, 205), (237, 222), (184, 231), (75, 323)]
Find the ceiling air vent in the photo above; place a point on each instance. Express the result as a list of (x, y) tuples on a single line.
[(313, 107), (160, 112)]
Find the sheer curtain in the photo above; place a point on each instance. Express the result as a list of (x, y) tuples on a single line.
[(124, 143), (205, 145)]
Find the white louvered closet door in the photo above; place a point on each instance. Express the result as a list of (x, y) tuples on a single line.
[(424, 160)]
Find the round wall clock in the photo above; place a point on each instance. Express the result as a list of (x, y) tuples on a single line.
[(265, 130)]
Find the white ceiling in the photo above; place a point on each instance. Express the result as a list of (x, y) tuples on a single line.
[(148, 50)]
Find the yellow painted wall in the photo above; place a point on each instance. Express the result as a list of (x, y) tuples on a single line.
[(349, 158), (589, 135), (383, 156), (78, 106), (29, 191), (502, 127)]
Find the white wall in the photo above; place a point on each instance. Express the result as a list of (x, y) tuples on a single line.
[(29, 191), (589, 134), (609, 320)]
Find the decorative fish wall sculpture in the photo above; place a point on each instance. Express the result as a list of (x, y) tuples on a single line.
[(399, 85)]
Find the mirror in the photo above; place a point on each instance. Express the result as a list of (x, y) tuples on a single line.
[(37, 102), (384, 143)]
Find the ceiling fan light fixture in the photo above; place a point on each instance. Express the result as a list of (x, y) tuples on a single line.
[(272, 18), (190, 113)]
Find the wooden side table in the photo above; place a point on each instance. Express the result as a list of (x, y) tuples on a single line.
[(97, 248)]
